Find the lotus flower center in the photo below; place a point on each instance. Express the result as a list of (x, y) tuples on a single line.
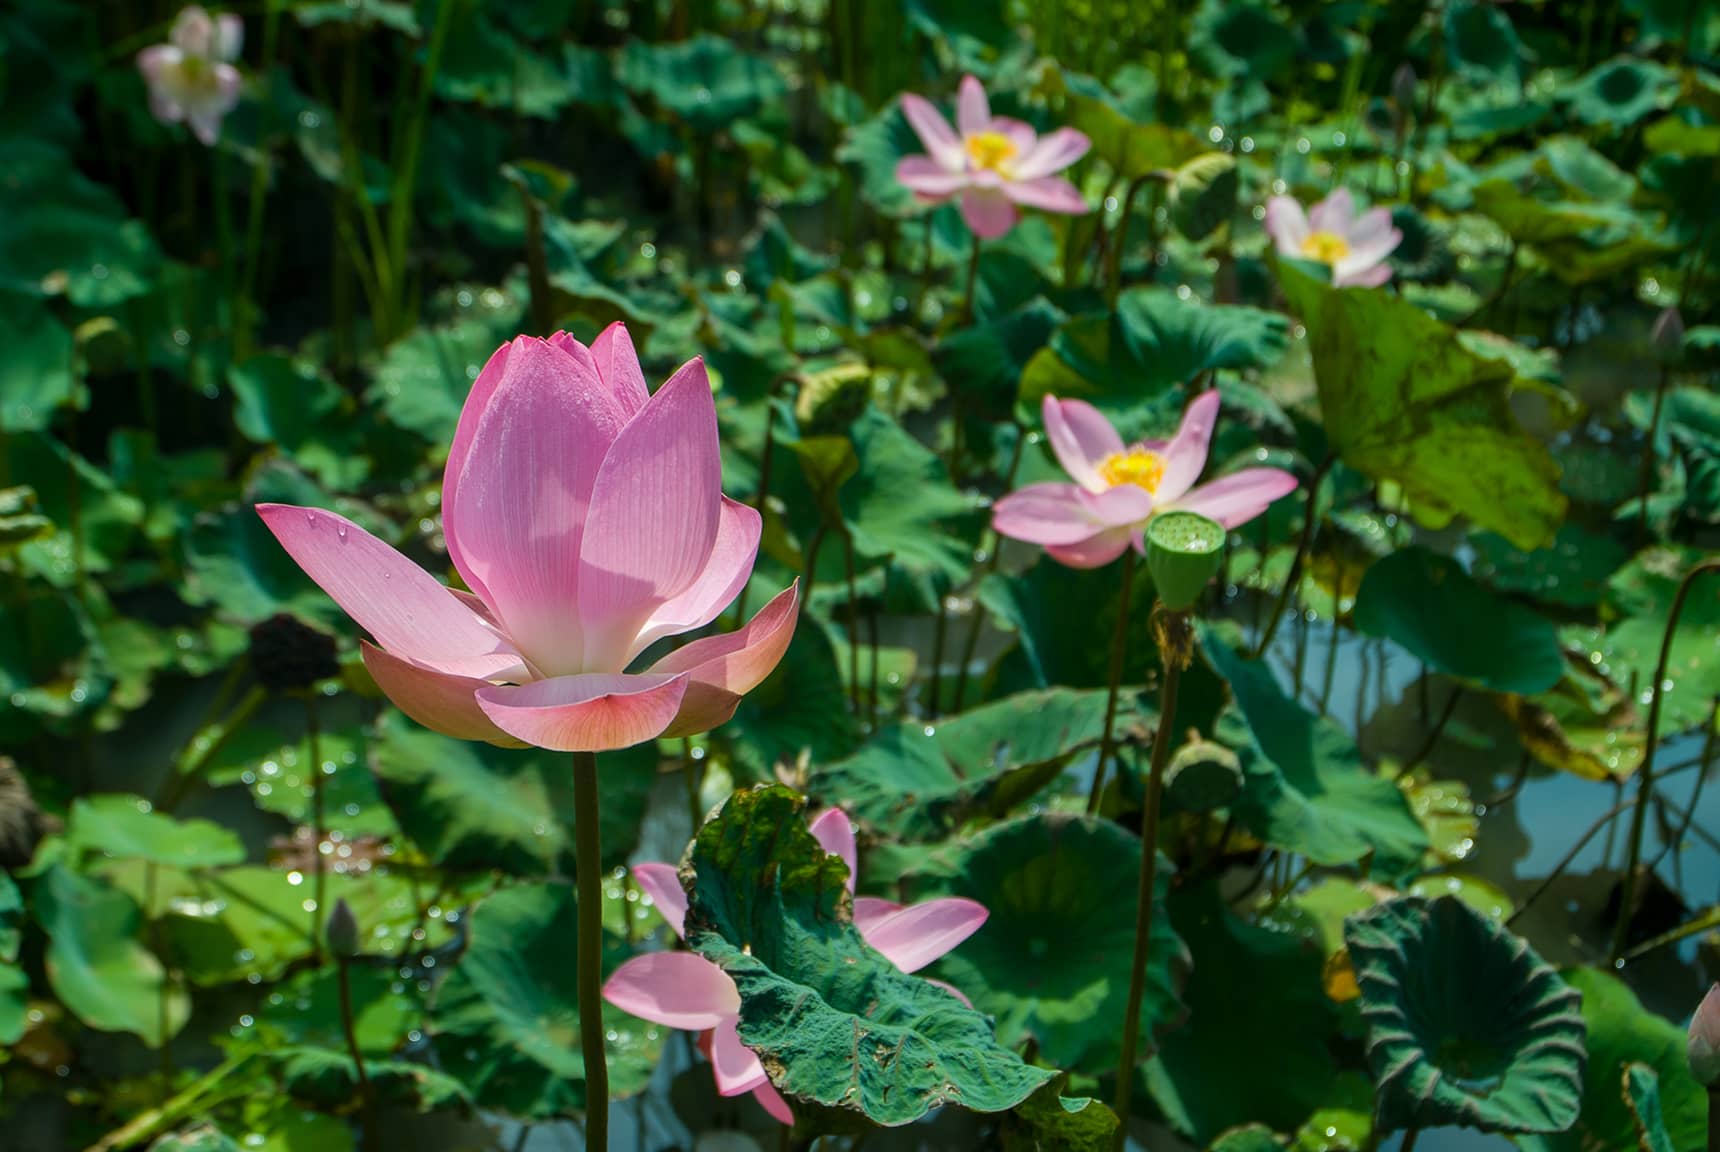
[(990, 150), (1137, 466), (1326, 247)]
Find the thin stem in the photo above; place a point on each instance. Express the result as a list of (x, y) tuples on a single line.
[(972, 283), (1114, 257), (1645, 774), (588, 873), (1331, 672), (1434, 733), (1171, 653), (188, 765), (993, 549), (853, 623), (1114, 680), (1310, 517), (368, 1133), (1648, 449), (939, 635), (1409, 1136), (1606, 818), (319, 826), (1702, 762)]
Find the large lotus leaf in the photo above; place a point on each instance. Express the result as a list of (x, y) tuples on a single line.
[(1620, 92), (1428, 604), (1306, 787), (1244, 43), (126, 827), (68, 485), (1466, 1024), (289, 404), (472, 806), (836, 1025), (327, 1079), (875, 147), (707, 81), (1571, 572), (277, 770), (1248, 1138), (1151, 342), (1063, 618), (424, 377), (1052, 964), (800, 708), (1622, 1033), (96, 964), (1405, 401), (36, 376), (1249, 982), (1480, 40), (486, 66), (916, 781), (507, 1021), (900, 504), (63, 234)]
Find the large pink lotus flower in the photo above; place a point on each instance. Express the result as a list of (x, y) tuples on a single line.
[(191, 78), (1117, 489), (994, 164), (1331, 233), (686, 991), (586, 516)]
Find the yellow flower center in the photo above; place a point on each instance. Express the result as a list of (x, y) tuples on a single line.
[(990, 150), (1326, 247), (1136, 466)]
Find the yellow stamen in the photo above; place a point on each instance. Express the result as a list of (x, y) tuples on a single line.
[(990, 150), (1136, 466), (1326, 247)]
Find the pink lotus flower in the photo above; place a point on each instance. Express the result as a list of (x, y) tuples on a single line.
[(1331, 233), (191, 78), (1117, 489), (586, 515), (686, 991), (995, 164)]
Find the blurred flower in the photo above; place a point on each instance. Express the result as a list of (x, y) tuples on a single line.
[(586, 515), (1118, 488), (1704, 1041), (1331, 233), (191, 78), (995, 163), (683, 990)]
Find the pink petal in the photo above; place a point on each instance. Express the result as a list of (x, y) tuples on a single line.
[(517, 489), (835, 834), (1017, 132), (1371, 226), (1062, 514), (229, 37), (618, 366), (674, 989), (1051, 154), (725, 574), (771, 1101), (1365, 255), (1333, 214), (663, 884), (736, 1068), (440, 701), (1365, 278), (1239, 497), (912, 937), (1287, 224), (1185, 455), (156, 61), (1081, 437), (593, 712), (1095, 552), (402, 606), (934, 132), (722, 669), (928, 179), (973, 110), (1048, 193), (193, 32), (654, 515), (988, 212)]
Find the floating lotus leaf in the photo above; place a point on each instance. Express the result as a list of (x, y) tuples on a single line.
[(126, 827), (836, 1025), (1048, 1121), (1466, 1024)]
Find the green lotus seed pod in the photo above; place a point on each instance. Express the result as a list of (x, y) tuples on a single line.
[(1704, 1043), (1202, 776), (1182, 554)]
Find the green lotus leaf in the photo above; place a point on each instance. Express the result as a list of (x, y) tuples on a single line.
[(1305, 785), (36, 379), (200, 1139), (836, 1025), (1428, 604), (486, 66), (1480, 40), (123, 826), (1125, 137), (1246, 43), (1248, 1138), (1570, 572), (277, 770), (916, 781), (1622, 1034), (1047, 880), (327, 1079), (800, 708), (1048, 1121), (392, 14), (875, 147), (506, 1020), (1405, 401), (1059, 615), (1466, 1024), (289, 404), (1621, 92), (1642, 1095), (424, 376), (706, 81), (1203, 194), (1344, 1123), (14, 981)]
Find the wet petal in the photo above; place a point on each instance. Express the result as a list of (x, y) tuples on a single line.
[(1185, 455), (1081, 437), (440, 701), (1239, 497), (674, 989), (592, 712)]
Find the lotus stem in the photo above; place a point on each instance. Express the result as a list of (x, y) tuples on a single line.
[(1119, 640), (1714, 1118), (1310, 517), (1409, 1137), (1172, 634), (1434, 733), (1702, 763), (588, 874), (1645, 774), (366, 1090)]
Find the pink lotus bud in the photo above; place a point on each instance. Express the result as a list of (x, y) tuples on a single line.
[(1704, 1045)]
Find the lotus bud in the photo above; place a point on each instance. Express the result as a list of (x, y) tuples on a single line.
[(341, 931), (1704, 1045), (1183, 552), (1667, 336)]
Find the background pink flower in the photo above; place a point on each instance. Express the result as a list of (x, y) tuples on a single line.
[(1355, 247), (994, 164), (587, 518), (1118, 488), (191, 78)]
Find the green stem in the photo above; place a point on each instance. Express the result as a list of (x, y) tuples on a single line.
[(366, 1091), (588, 873), (1645, 774), (1119, 642), (1707, 757), (1310, 517), (244, 306), (1409, 1137), (1173, 625)]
